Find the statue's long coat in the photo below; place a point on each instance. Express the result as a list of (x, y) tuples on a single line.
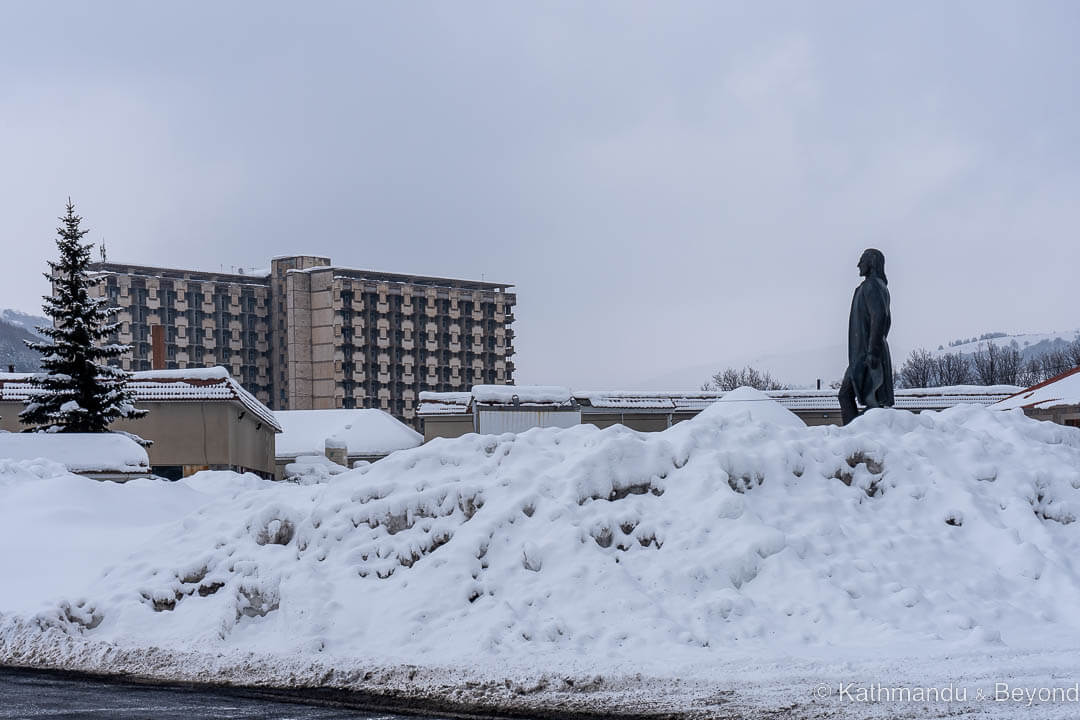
[(868, 327)]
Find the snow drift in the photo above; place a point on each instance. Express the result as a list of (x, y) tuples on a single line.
[(724, 538), (78, 452)]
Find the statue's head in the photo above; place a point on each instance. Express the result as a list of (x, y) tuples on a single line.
[(871, 263)]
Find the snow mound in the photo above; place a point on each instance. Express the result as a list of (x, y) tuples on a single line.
[(754, 404), (364, 431), (64, 529), (313, 469), (724, 536), (78, 452)]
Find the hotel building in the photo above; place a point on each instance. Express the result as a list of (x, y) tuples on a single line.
[(308, 335)]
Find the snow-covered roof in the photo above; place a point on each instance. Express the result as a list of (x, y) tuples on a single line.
[(210, 373), (1061, 390), (435, 403), (190, 385), (461, 403), (937, 398), (444, 403), (364, 432), (78, 452), (634, 403), (522, 394)]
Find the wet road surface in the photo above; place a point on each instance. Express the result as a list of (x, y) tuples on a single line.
[(60, 696)]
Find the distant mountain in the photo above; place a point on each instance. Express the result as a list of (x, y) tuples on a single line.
[(1030, 344), (24, 320), (15, 327)]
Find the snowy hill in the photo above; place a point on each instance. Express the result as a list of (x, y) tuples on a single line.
[(1029, 344), (751, 561), (27, 322), (15, 328), (802, 367)]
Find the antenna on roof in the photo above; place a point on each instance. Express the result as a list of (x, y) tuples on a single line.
[(102, 249)]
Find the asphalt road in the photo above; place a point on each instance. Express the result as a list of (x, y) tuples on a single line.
[(35, 694)]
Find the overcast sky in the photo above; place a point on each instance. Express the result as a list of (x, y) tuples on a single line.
[(668, 184)]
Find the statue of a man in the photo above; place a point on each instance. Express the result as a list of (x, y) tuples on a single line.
[(869, 375)]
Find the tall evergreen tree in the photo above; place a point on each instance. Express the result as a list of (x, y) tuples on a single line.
[(78, 392)]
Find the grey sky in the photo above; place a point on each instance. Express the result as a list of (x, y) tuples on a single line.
[(667, 184)]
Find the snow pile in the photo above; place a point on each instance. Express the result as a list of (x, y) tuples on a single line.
[(363, 432), (722, 536), (78, 452), (756, 405), (728, 546), (312, 469), (64, 528)]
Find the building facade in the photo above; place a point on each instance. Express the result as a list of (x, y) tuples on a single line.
[(307, 335)]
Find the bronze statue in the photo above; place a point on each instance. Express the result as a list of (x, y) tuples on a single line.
[(869, 375)]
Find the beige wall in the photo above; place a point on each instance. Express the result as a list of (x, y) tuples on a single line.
[(651, 422), (204, 433), (195, 434), (819, 417), (447, 426), (9, 416)]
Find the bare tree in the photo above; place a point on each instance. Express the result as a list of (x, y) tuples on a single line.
[(1073, 353), (1054, 363), (1012, 363), (997, 365), (732, 378), (953, 369), (919, 370), (985, 363), (1033, 371)]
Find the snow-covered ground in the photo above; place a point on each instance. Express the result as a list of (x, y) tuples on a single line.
[(734, 565)]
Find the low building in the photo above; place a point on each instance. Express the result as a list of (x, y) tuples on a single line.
[(497, 409), (199, 419), (345, 436), (101, 456), (1056, 399), (446, 414), (454, 414)]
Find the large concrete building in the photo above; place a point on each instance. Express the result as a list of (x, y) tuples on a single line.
[(308, 335)]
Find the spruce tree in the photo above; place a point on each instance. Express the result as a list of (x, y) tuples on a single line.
[(78, 391)]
